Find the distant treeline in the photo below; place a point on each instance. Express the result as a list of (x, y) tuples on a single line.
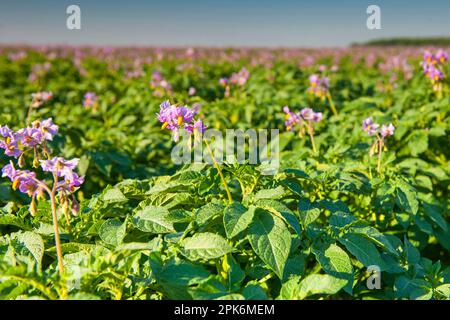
[(437, 41)]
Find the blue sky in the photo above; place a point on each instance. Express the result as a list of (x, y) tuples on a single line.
[(219, 22)]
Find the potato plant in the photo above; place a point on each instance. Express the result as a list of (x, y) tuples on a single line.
[(92, 206)]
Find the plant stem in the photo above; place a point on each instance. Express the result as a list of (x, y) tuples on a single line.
[(332, 106), (29, 113), (311, 136), (230, 199), (380, 152), (56, 227)]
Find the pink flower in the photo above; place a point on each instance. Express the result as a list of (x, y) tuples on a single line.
[(240, 78), (197, 128), (370, 127), (59, 166), (47, 127), (192, 91), (387, 130), (90, 100), (292, 119), (30, 137)]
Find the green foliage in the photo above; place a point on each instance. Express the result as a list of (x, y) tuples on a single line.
[(151, 229)]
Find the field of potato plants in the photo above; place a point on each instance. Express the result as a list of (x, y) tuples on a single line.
[(92, 205)]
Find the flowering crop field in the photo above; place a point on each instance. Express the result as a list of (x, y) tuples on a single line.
[(93, 206)]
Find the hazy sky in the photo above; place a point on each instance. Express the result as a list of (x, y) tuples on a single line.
[(219, 22)]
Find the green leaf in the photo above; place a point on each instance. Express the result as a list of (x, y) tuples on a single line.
[(309, 212), (433, 212), (418, 142), (444, 290), (153, 220), (281, 211), (276, 193), (375, 236), (364, 250), (319, 284), (406, 197), (411, 252), (113, 195), (113, 231), (176, 277), (208, 212), (336, 262), (32, 242), (154, 245), (205, 246), (254, 292), (271, 240), (236, 219)]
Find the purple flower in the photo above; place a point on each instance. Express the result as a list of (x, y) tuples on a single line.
[(370, 127), (9, 144), (317, 117), (11, 147), (387, 130), (433, 73), (70, 182), (30, 137), (240, 78), (47, 127), (428, 57), (5, 131), (441, 56), (291, 118), (307, 113), (23, 179), (173, 117), (197, 127), (90, 99), (318, 86), (9, 171), (59, 166), (223, 82)]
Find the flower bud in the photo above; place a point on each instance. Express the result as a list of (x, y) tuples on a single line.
[(36, 162), (65, 206), (33, 207), (21, 161), (75, 207)]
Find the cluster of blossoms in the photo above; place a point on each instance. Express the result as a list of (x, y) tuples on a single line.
[(432, 66), (65, 180), (160, 85), (35, 137), (306, 114), (305, 119), (398, 65), (319, 86), (374, 129), (175, 117), (39, 98), (16, 143), (90, 101), (38, 71), (237, 79)]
